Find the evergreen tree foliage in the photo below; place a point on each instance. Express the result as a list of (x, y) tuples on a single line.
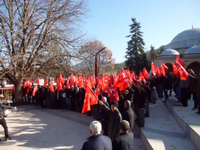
[(160, 50), (153, 53), (136, 58)]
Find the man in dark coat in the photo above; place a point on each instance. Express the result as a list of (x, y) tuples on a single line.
[(114, 119), (125, 140), (148, 94), (104, 116), (97, 141), (167, 85), (3, 121), (140, 104), (128, 114), (193, 87)]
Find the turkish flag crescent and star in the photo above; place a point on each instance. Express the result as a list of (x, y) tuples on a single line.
[(86, 104)]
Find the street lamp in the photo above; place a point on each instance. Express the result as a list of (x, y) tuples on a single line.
[(96, 62)]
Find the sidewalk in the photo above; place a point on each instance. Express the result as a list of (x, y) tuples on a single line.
[(47, 129), (162, 132)]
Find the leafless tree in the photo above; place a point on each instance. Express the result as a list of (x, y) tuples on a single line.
[(38, 37), (86, 63)]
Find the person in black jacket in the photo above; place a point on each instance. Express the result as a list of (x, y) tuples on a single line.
[(148, 94), (3, 121), (104, 116), (140, 104), (114, 119), (167, 85), (128, 114), (97, 141), (125, 140)]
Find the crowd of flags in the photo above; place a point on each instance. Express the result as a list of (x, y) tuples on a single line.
[(109, 83)]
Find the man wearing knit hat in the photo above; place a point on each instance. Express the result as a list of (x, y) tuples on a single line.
[(114, 119), (97, 141)]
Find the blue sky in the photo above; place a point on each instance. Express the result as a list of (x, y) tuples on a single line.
[(161, 20)]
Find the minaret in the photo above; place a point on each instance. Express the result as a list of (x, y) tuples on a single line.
[(192, 26)]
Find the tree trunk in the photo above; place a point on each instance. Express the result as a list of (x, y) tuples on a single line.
[(18, 92)]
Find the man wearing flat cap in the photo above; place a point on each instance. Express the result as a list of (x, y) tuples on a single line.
[(114, 119)]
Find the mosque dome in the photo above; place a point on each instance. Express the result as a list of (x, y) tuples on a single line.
[(193, 50), (186, 39), (169, 52)]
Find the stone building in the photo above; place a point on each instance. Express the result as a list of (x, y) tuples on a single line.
[(187, 45)]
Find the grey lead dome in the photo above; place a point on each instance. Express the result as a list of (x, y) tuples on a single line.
[(169, 52), (186, 39), (193, 50)]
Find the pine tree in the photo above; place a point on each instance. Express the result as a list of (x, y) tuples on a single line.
[(135, 55), (160, 50), (153, 53)]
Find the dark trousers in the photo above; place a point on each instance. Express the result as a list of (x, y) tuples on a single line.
[(195, 98), (3, 123), (184, 97), (140, 117), (73, 104), (166, 94), (199, 103), (105, 127)]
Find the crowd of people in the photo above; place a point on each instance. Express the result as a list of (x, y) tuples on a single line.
[(132, 106), (72, 97)]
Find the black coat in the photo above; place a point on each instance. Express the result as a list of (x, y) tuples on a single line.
[(124, 141), (103, 112), (113, 123), (167, 84), (141, 99), (148, 94), (129, 115), (97, 142)]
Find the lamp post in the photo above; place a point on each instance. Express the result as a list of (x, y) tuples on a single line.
[(96, 62)]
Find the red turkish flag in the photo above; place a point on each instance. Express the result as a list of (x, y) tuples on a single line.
[(135, 77), (183, 73), (60, 78), (163, 66), (163, 71), (145, 73), (128, 74), (111, 82), (175, 70), (113, 94), (115, 80), (59, 83), (105, 82), (46, 82), (80, 81), (141, 77), (86, 104), (122, 81), (27, 83), (76, 81), (158, 73), (153, 68), (94, 98), (179, 61), (51, 87), (35, 89), (71, 79)]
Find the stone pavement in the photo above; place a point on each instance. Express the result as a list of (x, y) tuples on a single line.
[(162, 132), (45, 129)]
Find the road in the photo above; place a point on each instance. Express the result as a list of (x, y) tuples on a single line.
[(36, 128)]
